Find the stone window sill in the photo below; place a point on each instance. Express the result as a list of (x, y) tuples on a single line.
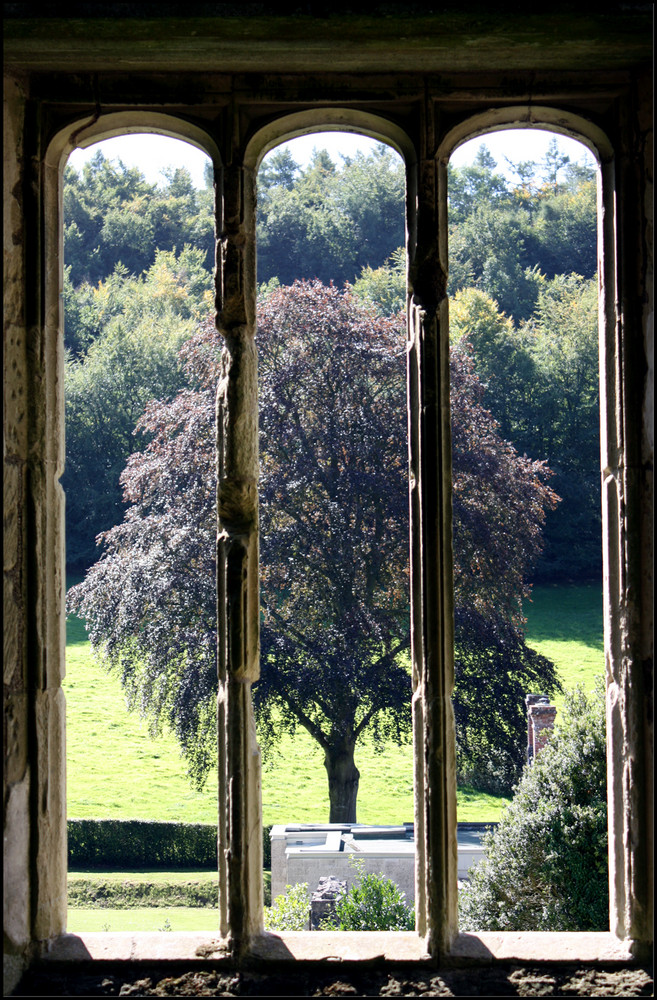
[(319, 946)]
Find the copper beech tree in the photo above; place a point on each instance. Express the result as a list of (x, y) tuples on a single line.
[(334, 551)]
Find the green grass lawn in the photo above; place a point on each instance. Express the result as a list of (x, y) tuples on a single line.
[(294, 784), (117, 768), (565, 624), (145, 918)]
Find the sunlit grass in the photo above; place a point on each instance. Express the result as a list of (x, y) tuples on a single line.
[(106, 743), (116, 768), (148, 918), (564, 623)]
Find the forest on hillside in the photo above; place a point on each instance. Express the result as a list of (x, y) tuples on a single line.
[(522, 282)]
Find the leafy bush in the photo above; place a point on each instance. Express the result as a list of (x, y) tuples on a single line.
[(373, 903), (546, 867), (290, 912)]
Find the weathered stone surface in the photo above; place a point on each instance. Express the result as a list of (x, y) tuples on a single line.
[(16, 878), (426, 82), (323, 900), (504, 980)]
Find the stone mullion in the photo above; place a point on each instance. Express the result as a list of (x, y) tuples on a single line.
[(48, 593), (626, 404), (240, 828), (431, 558)]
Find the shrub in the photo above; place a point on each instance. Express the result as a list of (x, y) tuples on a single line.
[(373, 903), (290, 912), (546, 867), (136, 843)]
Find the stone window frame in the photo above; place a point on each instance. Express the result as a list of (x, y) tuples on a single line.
[(240, 820)]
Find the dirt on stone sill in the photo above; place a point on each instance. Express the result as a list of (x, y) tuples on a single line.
[(521, 981)]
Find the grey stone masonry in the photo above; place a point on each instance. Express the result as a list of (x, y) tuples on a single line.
[(540, 722), (236, 82), (324, 898)]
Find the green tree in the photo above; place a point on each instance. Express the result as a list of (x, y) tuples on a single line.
[(541, 385), (102, 189), (488, 251), (502, 241), (475, 184), (112, 215), (554, 162), (502, 360), (328, 222), (546, 864), (279, 169), (385, 286), (562, 337), (563, 234), (135, 329), (334, 548), (370, 191)]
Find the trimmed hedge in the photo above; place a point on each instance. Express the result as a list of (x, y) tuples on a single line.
[(97, 891), (266, 847), (138, 843)]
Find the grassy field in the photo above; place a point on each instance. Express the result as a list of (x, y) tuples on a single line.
[(100, 730), (144, 918), (564, 623)]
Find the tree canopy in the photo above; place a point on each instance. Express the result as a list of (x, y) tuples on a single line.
[(334, 550), (112, 215), (127, 331), (510, 241)]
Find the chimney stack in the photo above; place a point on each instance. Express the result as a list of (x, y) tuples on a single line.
[(540, 721)]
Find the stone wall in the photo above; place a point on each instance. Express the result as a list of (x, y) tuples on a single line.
[(236, 85)]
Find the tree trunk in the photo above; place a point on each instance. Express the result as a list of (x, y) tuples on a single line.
[(343, 778)]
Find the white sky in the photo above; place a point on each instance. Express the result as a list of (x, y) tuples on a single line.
[(152, 153)]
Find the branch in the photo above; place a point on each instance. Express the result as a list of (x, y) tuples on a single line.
[(305, 720)]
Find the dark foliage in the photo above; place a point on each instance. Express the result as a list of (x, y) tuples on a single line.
[(334, 548), (136, 843)]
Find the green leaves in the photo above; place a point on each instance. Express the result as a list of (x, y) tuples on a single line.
[(546, 863), (114, 216), (128, 332), (385, 286), (328, 222), (289, 912), (372, 903), (503, 238), (541, 384)]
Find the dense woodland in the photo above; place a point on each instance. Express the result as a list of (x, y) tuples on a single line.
[(138, 282)]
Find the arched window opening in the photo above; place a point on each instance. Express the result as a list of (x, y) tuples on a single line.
[(35, 418), (523, 288), (139, 255), (333, 698)]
